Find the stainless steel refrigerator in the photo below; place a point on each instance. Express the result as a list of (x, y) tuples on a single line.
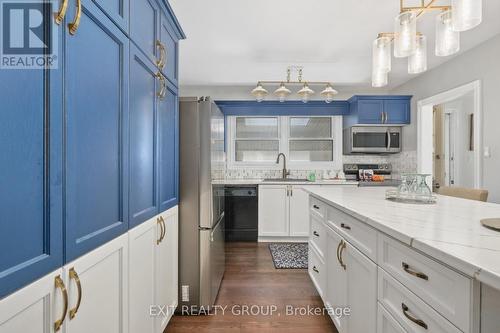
[(201, 214)]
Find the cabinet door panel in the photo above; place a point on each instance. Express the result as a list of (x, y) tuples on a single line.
[(117, 10), (361, 275), (299, 212), (143, 147), (397, 111), (34, 309), (142, 275), (370, 111), (96, 133), (171, 48), (273, 211), (30, 175), (103, 275), (144, 23), (168, 143)]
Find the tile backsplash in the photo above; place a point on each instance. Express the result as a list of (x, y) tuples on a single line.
[(405, 162)]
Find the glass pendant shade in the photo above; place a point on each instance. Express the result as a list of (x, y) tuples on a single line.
[(305, 93), (405, 29), (381, 53), (417, 62), (282, 92), (466, 14), (259, 92), (328, 93), (447, 40), (379, 79)]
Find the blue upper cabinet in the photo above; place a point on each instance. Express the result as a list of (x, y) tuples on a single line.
[(168, 50), (96, 114), (378, 110), (168, 143), (31, 175), (117, 10), (144, 88), (144, 27)]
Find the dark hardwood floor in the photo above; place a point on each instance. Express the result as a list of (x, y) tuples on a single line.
[(251, 279)]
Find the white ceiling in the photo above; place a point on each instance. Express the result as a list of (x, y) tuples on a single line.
[(238, 42)]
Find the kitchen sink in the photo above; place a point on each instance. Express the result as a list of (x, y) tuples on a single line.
[(285, 180)]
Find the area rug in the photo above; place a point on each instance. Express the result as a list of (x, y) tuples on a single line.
[(289, 255)]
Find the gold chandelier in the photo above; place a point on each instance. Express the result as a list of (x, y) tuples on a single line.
[(282, 92)]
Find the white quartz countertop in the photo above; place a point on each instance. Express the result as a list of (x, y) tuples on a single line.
[(262, 182), (449, 231)]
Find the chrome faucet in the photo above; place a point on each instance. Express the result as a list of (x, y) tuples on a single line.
[(285, 171)]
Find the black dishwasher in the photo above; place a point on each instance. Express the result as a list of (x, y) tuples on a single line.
[(241, 213)]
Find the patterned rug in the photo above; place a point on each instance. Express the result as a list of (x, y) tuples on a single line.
[(289, 255)]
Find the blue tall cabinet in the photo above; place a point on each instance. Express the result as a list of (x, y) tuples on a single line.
[(89, 149)]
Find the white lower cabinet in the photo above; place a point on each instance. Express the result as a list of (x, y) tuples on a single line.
[(153, 273), (35, 308), (94, 292), (351, 283), (283, 211)]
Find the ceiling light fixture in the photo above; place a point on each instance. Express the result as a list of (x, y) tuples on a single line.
[(461, 15), (305, 93)]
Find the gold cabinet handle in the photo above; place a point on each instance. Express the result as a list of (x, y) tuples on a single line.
[(419, 322), (408, 270), (158, 222), (73, 26), (59, 283), (338, 249), (164, 228), (59, 16), (342, 248), (74, 276), (160, 63), (162, 92)]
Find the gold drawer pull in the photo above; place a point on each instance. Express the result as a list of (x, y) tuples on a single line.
[(161, 94), (406, 311), (74, 276), (61, 13), (342, 248), (59, 283), (73, 27), (160, 63), (408, 270), (164, 229), (158, 221)]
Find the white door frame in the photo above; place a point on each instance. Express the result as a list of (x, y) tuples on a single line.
[(425, 127)]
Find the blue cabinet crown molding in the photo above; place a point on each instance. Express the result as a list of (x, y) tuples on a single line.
[(288, 108), (356, 98), (173, 20)]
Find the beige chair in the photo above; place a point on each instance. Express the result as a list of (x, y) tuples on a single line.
[(465, 193)]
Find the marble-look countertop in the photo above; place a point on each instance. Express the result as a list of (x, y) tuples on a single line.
[(262, 182), (449, 231)]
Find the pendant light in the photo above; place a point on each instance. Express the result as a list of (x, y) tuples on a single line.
[(381, 53), (466, 14), (417, 62), (259, 92), (305, 93), (405, 29), (447, 40), (379, 79), (328, 93), (282, 92)]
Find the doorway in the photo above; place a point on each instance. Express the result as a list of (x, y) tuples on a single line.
[(449, 140)]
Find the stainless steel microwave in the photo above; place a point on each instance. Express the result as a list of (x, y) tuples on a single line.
[(372, 140)]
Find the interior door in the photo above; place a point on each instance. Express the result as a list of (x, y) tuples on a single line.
[(336, 295), (31, 240), (96, 113)]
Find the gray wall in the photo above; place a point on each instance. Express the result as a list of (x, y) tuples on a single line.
[(481, 63)]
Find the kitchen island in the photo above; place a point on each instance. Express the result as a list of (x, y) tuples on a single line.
[(417, 268)]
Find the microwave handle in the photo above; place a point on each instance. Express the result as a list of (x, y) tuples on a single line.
[(388, 140)]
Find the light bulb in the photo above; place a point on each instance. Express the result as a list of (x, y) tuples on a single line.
[(405, 28), (381, 53), (417, 62), (379, 79), (259, 92), (447, 40), (466, 14)]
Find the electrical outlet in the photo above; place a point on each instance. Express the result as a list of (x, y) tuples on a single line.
[(185, 293)]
